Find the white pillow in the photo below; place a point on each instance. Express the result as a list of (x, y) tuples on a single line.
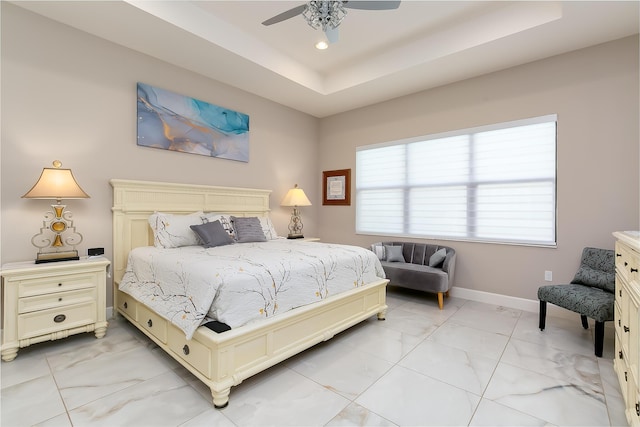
[(174, 231), (267, 228), (225, 220), (378, 249)]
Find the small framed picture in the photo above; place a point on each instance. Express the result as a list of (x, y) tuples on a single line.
[(336, 187)]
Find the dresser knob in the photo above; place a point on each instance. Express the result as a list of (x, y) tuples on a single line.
[(59, 318), (185, 350), (620, 292), (125, 305), (638, 409), (625, 375), (634, 270), (59, 284), (626, 328), (620, 354), (150, 323), (618, 254), (59, 299)]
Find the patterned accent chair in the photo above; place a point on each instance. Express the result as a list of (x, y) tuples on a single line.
[(590, 293)]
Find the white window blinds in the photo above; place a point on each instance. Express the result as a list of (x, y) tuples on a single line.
[(495, 183)]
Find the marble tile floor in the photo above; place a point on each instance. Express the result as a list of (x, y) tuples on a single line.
[(470, 364)]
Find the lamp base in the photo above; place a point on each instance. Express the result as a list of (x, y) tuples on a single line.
[(295, 236), (57, 256)]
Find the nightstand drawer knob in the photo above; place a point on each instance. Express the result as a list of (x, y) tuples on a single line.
[(125, 305), (59, 299), (150, 323), (185, 350), (626, 328), (59, 284), (638, 409), (620, 354), (59, 318), (634, 270)]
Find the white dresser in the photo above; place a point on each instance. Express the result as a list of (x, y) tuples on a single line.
[(43, 302), (627, 321)]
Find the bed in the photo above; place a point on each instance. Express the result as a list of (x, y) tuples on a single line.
[(223, 360)]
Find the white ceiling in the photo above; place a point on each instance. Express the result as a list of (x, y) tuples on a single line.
[(380, 54)]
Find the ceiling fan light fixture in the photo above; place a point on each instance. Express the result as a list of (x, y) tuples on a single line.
[(324, 14)]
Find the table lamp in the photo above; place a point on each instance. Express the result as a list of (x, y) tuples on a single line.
[(295, 197), (58, 237)]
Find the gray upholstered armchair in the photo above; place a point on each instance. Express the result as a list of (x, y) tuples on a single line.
[(590, 293)]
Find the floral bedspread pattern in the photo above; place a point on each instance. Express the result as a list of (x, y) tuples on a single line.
[(242, 283)]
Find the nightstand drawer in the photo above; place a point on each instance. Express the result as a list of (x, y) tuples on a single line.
[(58, 283), (57, 300), (192, 352), (56, 319), (152, 323)]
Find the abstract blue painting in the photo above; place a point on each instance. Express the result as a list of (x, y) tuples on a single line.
[(176, 122)]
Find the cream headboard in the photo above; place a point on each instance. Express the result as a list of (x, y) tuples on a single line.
[(134, 201)]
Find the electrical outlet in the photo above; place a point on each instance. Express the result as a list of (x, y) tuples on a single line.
[(548, 276)]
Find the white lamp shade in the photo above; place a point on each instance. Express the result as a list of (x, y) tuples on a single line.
[(56, 183), (295, 197)]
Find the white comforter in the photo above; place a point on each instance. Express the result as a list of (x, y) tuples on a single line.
[(241, 283)]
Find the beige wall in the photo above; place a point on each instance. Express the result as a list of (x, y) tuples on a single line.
[(70, 96), (593, 91)]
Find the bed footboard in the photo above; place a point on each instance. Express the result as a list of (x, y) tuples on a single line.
[(224, 360)]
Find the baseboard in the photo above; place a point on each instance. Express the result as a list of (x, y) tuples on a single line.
[(532, 306)]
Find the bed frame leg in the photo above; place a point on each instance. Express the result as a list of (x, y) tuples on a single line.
[(220, 398)]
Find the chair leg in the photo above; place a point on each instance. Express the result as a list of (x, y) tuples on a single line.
[(599, 338), (585, 322), (543, 314)]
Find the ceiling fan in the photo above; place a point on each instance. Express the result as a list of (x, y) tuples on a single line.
[(329, 14)]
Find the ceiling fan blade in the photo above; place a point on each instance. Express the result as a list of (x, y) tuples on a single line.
[(372, 5), (285, 15), (332, 34)]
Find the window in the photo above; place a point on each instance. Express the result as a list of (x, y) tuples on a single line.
[(493, 184)]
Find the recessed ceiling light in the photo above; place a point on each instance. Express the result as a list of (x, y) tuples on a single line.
[(322, 45)]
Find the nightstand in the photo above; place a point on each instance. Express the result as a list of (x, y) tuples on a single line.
[(310, 239), (49, 301)]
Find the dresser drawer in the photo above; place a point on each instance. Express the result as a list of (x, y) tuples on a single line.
[(617, 315), (56, 300), (56, 283), (153, 323), (191, 351), (627, 262), (128, 304), (56, 319)]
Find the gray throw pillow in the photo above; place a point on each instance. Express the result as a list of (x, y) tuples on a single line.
[(394, 253), (438, 257), (212, 234), (248, 229)]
